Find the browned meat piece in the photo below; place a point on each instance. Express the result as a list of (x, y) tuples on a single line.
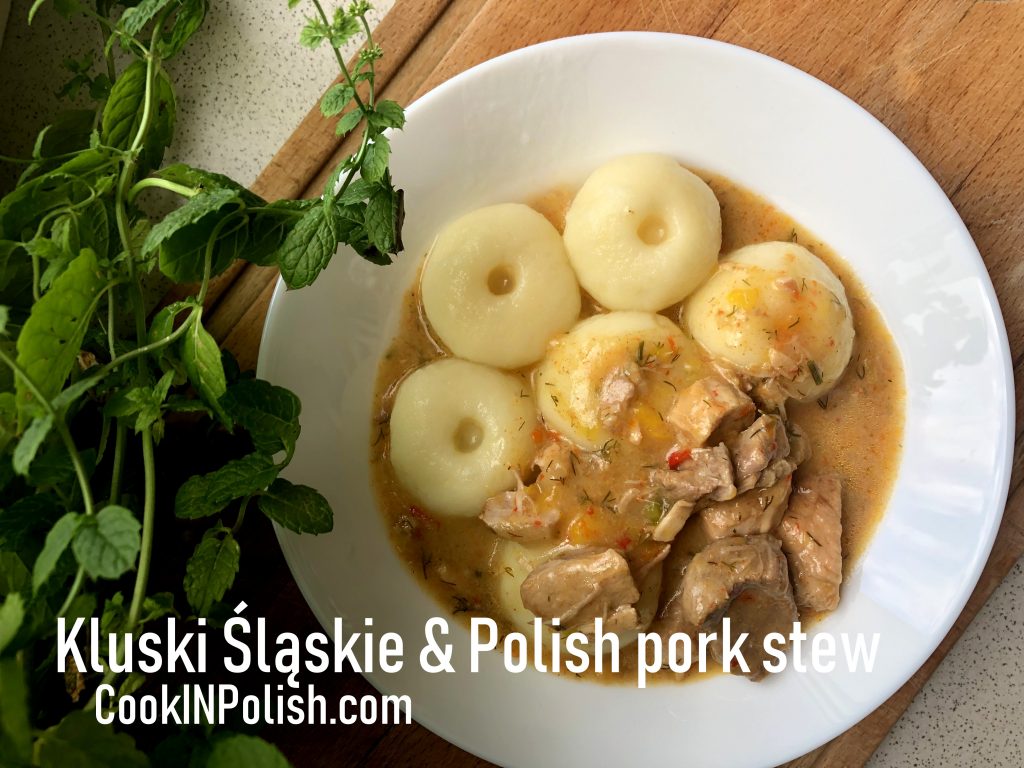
[(811, 533), (581, 586), (784, 465), (618, 390), (756, 447), (703, 472), (756, 511), (747, 579), (709, 407), (770, 396), (514, 515)]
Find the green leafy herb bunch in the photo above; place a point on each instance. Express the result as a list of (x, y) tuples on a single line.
[(95, 374)]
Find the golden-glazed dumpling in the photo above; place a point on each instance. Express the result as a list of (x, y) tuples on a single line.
[(594, 376), (775, 310), (643, 232), (497, 286), (459, 433)]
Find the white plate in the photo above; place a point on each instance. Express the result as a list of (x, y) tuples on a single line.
[(550, 114)]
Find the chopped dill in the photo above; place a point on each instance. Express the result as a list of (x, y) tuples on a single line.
[(815, 371)]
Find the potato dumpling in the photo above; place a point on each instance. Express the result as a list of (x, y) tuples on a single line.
[(459, 432), (607, 365), (775, 310), (643, 232), (497, 286), (513, 564)]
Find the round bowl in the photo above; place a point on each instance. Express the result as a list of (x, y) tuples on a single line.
[(549, 114)]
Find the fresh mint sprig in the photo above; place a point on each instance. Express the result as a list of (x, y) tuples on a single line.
[(95, 375)]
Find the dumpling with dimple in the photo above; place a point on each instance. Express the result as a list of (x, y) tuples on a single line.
[(606, 367), (459, 433), (497, 286), (775, 310), (643, 232)]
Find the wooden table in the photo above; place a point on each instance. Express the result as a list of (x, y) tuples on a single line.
[(946, 76)]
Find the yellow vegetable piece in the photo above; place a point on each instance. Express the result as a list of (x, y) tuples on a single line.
[(743, 298)]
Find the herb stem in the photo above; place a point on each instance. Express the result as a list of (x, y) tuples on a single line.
[(369, 44), (153, 181), (120, 435), (241, 514), (35, 276), (76, 586), (341, 62), (128, 175), (146, 549)]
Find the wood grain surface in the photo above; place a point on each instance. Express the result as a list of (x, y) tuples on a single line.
[(946, 76)]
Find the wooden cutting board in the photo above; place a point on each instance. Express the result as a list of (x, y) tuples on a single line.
[(944, 75)]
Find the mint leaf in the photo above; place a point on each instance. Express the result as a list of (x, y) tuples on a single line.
[(344, 28), (72, 392), (163, 321), (26, 520), (15, 731), (211, 570), (188, 18), (183, 235), (314, 33), (53, 467), (12, 613), (156, 607), (52, 336), (25, 450), (202, 360), (308, 248), (203, 495), (145, 403), (270, 414), (387, 114), (375, 162), (57, 541), (336, 99), (381, 217), (107, 543), (194, 209), (241, 751), (124, 107), (79, 741), (348, 121), (298, 508), (134, 19), (122, 114)]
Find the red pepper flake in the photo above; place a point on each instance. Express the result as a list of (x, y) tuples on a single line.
[(672, 344), (624, 542), (590, 510), (537, 435), (676, 458)]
